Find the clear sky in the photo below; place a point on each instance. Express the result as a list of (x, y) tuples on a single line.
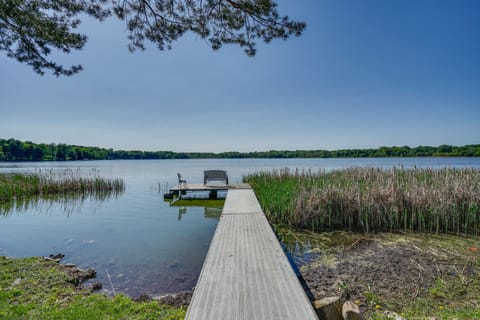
[(364, 74)]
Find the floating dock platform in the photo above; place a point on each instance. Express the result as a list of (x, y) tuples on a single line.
[(213, 189), (209, 187)]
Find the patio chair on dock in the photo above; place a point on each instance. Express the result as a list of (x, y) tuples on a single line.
[(182, 183)]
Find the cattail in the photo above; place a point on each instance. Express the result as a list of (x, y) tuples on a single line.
[(371, 199)]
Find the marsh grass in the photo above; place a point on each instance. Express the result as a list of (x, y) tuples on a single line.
[(371, 199), (24, 189)]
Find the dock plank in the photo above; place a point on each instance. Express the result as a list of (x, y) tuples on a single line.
[(246, 274)]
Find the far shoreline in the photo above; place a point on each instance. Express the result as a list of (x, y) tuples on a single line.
[(16, 150)]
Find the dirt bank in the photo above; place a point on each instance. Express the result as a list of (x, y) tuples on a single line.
[(386, 271)]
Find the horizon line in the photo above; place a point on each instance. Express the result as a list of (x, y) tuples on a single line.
[(242, 152)]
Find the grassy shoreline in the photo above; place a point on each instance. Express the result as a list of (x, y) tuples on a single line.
[(370, 199), (36, 288), (398, 240)]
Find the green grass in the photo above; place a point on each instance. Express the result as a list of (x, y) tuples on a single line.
[(33, 288), (369, 199)]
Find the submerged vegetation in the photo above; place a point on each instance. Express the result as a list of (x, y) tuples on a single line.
[(35, 288), (206, 203), (15, 150), (370, 199), (19, 189)]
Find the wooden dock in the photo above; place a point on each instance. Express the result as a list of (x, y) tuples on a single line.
[(246, 274)]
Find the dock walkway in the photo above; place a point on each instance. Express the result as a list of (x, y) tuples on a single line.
[(246, 274)]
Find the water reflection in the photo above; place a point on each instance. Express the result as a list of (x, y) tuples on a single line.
[(66, 203), (300, 246), (209, 213)]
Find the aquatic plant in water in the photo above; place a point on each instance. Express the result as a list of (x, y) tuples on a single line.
[(371, 199), (23, 189)]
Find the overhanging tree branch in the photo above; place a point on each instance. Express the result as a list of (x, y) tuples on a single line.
[(31, 29)]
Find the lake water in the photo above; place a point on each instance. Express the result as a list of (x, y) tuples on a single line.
[(145, 245)]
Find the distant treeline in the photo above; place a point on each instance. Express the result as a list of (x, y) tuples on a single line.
[(15, 150)]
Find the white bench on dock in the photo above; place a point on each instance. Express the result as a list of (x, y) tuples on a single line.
[(246, 275)]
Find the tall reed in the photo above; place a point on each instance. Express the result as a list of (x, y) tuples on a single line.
[(18, 187), (370, 199)]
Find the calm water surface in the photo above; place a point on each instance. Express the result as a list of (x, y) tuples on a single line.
[(146, 246)]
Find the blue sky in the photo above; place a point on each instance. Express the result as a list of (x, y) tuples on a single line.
[(364, 74)]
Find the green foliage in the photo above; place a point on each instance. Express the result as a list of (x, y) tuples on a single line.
[(369, 199), (30, 29), (33, 288), (15, 150)]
